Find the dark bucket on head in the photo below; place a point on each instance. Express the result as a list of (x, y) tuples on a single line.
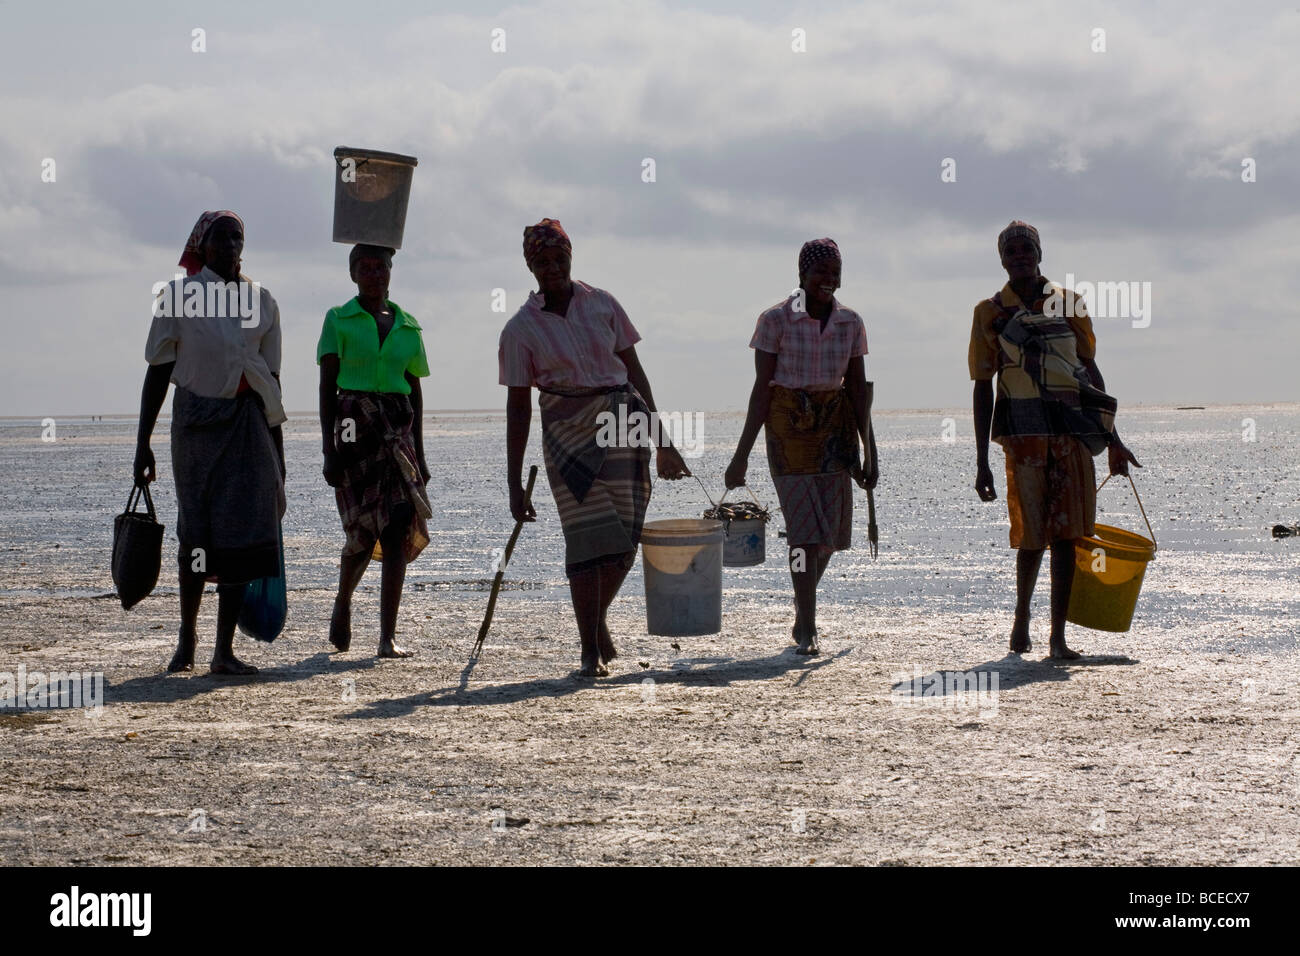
[(371, 191)]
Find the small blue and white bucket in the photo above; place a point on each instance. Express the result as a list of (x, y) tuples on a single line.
[(743, 531)]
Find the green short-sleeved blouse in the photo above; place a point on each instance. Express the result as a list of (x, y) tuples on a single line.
[(365, 366)]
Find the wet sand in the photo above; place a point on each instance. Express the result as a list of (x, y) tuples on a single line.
[(729, 750)]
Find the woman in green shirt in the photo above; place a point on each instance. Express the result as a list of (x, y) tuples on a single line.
[(371, 358)]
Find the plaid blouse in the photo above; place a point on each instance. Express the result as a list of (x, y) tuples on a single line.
[(574, 350), (807, 356)]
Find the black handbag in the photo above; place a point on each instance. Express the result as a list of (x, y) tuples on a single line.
[(137, 549)]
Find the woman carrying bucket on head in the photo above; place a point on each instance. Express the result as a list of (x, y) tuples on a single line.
[(576, 345), (1052, 415), (371, 356), (813, 401)]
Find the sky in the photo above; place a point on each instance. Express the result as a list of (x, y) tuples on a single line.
[(1128, 159)]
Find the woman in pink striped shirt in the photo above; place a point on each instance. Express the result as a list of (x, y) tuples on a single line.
[(576, 345), (812, 398)]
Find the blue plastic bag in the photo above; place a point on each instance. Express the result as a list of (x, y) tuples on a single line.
[(266, 604)]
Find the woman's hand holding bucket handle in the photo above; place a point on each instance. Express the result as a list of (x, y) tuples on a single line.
[(1120, 457), (735, 474), (669, 463)]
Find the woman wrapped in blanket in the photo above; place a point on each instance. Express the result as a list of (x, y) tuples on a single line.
[(216, 335), (1051, 416), (576, 345), (371, 356), (812, 398)]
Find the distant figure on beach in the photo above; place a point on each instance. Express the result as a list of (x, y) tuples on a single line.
[(1051, 416), (813, 400), (576, 345), (371, 357), (220, 345)]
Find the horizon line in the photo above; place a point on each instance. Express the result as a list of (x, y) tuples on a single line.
[(501, 410)]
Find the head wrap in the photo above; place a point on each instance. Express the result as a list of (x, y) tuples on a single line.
[(364, 251), (192, 257), (1015, 230), (815, 251), (548, 232)]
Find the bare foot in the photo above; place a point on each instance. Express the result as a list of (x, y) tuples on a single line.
[(231, 666), (606, 644), (797, 630), (808, 644), (341, 626), (183, 659), (1020, 642), (388, 649), (1062, 653)]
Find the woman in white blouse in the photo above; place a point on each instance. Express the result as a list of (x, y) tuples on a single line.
[(216, 335)]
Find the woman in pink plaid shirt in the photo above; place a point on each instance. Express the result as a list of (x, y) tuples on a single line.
[(811, 393), (576, 345)]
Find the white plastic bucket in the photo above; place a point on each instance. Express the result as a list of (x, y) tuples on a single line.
[(743, 542), (371, 191), (682, 561)]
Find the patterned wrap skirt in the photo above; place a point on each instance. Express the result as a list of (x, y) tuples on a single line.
[(812, 443), (1051, 490), (373, 435), (601, 489)]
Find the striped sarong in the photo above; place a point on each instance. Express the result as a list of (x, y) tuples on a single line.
[(601, 489), (812, 443), (372, 432)]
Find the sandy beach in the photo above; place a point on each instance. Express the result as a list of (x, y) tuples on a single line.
[(732, 750), (1175, 743)]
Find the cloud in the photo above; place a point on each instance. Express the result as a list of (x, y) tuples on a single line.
[(1129, 161)]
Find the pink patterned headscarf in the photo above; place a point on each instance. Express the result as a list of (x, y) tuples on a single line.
[(548, 232), (192, 257)]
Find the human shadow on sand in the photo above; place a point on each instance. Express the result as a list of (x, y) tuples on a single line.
[(166, 688), (720, 672), (1013, 670)]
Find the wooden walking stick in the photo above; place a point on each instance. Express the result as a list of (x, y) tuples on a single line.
[(873, 533), (505, 560)]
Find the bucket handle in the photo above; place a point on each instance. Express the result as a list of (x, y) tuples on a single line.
[(725, 492), (751, 495), (1139, 501), (705, 490)]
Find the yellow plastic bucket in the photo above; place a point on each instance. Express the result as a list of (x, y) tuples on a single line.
[(1108, 572)]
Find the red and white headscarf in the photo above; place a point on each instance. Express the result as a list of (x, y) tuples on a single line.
[(192, 257)]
